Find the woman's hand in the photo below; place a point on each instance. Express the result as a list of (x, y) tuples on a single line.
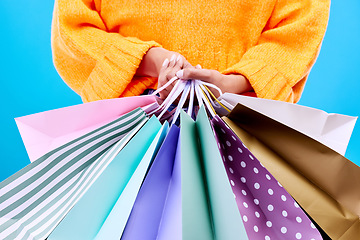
[(152, 62), (227, 83), (163, 64), (168, 70)]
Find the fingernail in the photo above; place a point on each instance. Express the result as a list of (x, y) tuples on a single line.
[(166, 62), (180, 73), (178, 58), (173, 58), (198, 66)]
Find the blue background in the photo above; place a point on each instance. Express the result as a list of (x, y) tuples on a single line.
[(30, 83)]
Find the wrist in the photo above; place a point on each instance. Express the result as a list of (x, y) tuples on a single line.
[(152, 61), (236, 83)]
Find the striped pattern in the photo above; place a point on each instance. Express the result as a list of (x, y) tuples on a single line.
[(35, 199)]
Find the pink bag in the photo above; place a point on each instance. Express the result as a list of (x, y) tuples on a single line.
[(45, 131)]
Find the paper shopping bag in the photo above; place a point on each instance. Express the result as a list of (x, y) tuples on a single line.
[(35, 199), (148, 210), (323, 182), (268, 210), (114, 192), (115, 222), (209, 210), (333, 130), (171, 221), (45, 131)]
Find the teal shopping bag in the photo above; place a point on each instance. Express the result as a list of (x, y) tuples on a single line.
[(209, 210), (115, 222), (86, 219)]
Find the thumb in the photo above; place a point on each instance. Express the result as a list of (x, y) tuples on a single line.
[(194, 73)]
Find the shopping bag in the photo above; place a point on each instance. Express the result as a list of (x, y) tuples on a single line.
[(196, 203), (148, 209), (35, 199), (120, 181), (209, 210), (159, 213), (323, 182), (45, 131), (171, 221), (268, 210), (333, 130), (115, 222)]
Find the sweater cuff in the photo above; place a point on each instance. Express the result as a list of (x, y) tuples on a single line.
[(112, 76), (266, 80)]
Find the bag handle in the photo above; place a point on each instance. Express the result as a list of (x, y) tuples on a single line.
[(167, 102), (194, 87)]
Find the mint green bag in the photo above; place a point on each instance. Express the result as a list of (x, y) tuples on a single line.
[(103, 211), (209, 210)]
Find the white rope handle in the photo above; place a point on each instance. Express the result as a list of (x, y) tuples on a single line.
[(183, 88), (177, 91), (211, 85), (197, 91), (165, 85), (204, 99), (207, 94), (182, 100), (191, 100), (167, 100)]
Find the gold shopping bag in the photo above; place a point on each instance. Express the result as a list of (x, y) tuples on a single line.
[(322, 181)]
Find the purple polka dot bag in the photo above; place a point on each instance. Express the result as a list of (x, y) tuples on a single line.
[(267, 209)]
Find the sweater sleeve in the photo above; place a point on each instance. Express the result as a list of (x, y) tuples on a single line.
[(278, 65), (94, 62)]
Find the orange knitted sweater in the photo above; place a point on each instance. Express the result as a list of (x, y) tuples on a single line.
[(99, 44)]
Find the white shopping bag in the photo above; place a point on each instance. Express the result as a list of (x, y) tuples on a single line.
[(332, 130)]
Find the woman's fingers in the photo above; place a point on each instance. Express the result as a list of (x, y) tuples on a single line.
[(173, 60), (207, 75), (179, 61), (174, 66), (167, 66), (168, 71), (161, 78)]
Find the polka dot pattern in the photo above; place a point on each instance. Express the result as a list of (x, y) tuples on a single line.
[(284, 213), (267, 210)]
